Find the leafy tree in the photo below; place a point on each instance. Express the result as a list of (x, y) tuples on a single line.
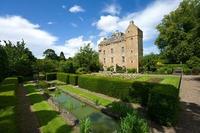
[(20, 58), (66, 66), (62, 56), (193, 62), (149, 62), (50, 54), (179, 37), (3, 63), (87, 58)]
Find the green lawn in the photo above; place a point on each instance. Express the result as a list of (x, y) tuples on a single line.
[(50, 121), (7, 108), (171, 80), (86, 94)]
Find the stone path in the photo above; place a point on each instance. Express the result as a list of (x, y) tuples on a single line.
[(27, 120), (189, 121)]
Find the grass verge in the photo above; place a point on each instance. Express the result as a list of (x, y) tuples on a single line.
[(50, 121)]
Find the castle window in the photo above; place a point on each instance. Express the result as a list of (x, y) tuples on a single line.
[(122, 49), (131, 38), (131, 61), (112, 50), (131, 51), (104, 52), (104, 60), (123, 59), (112, 59)]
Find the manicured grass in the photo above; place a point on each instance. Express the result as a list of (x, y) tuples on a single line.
[(171, 80), (50, 121), (86, 94), (142, 78), (7, 106)]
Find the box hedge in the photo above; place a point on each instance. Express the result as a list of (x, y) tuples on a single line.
[(163, 104), (10, 80), (63, 77), (73, 79), (50, 76), (112, 87)]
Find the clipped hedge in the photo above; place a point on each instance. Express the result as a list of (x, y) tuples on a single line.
[(50, 76), (112, 87), (10, 80), (63, 77), (163, 104), (73, 79)]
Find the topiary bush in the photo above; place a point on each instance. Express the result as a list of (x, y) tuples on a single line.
[(50, 76), (113, 87), (133, 123), (163, 104), (73, 79), (64, 77)]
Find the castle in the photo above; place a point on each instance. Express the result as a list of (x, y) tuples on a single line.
[(122, 49)]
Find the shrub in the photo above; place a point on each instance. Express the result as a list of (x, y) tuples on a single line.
[(120, 69), (133, 123), (165, 70), (81, 70), (113, 87), (64, 77), (73, 79), (163, 104), (196, 70), (187, 71), (131, 70), (50, 76), (111, 68), (85, 126), (43, 84)]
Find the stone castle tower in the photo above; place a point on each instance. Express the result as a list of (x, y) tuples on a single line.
[(122, 49)]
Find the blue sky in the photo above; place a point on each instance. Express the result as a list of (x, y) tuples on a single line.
[(65, 25)]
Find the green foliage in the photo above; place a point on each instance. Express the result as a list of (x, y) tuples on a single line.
[(64, 77), (81, 70), (62, 56), (112, 87), (133, 123), (120, 69), (163, 104), (20, 79), (20, 59), (51, 76), (50, 54), (4, 63), (179, 37), (149, 62), (196, 70), (187, 71), (10, 80), (43, 84), (111, 68), (193, 62), (85, 126), (164, 70), (131, 70), (45, 66), (87, 58), (73, 79), (66, 66)]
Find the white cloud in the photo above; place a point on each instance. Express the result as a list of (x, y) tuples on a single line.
[(50, 23), (74, 25), (16, 28), (76, 9), (112, 9), (146, 19)]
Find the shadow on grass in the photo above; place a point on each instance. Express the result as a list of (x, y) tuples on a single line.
[(64, 129), (6, 101), (36, 98), (7, 87)]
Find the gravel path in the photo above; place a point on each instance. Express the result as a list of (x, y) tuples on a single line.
[(27, 120), (189, 121)]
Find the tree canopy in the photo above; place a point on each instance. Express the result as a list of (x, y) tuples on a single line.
[(50, 54), (179, 37)]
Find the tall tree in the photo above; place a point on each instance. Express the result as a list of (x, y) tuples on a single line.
[(50, 54), (20, 58), (62, 56), (179, 37), (87, 58), (4, 63)]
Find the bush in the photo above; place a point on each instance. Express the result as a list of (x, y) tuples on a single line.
[(131, 70), (73, 79), (43, 84), (85, 126), (196, 70), (187, 71), (165, 70), (50, 76), (113, 87), (133, 123), (163, 104), (120, 69), (81, 70), (64, 77), (111, 68)]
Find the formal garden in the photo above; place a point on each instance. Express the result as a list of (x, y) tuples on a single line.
[(74, 95)]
